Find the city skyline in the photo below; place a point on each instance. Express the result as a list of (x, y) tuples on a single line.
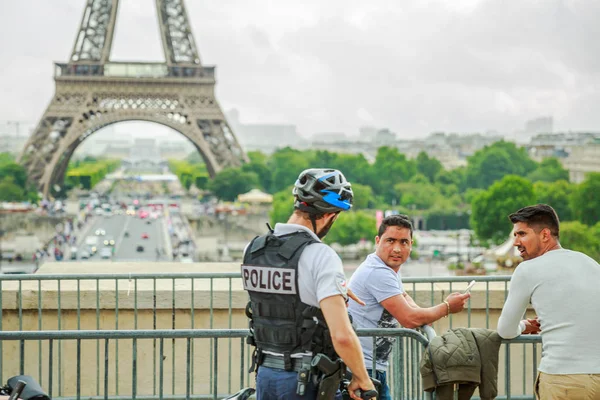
[(461, 66)]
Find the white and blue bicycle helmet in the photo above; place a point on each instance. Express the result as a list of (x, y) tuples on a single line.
[(322, 190)]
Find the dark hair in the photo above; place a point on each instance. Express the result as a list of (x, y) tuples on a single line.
[(395, 220), (538, 217)]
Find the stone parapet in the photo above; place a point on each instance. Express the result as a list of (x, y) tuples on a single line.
[(182, 303)]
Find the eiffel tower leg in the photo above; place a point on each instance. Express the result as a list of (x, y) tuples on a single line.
[(44, 143), (56, 166), (58, 177)]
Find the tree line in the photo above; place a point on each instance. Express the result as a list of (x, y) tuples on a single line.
[(84, 173), (13, 181), (497, 180)]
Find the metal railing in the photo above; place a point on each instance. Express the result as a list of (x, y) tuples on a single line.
[(132, 69), (113, 303), (109, 295), (91, 367), (449, 284), (174, 364)]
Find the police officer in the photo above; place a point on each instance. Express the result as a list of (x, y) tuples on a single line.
[(297, 294)]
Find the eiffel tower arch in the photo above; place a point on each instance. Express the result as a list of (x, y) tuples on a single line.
[(92, 92)]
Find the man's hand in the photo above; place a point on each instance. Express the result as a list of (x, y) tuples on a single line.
[(362, 386), (355, 298), (532, 326), (457, 301)]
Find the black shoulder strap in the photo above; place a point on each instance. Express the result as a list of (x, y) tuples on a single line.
[(293, 244), (258, 243)]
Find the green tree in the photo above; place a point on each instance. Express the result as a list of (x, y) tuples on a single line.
[(258, 165), (493, 162), (283, 206), (579, 237), (585, 201), (231, 182), (363, 197), (355, 167), (427, 166), (15, 171), (490, 208), (194, 158), (6, 158), (351, 227), (9, 191), (390, 167), (549, 170), (90, 159), (418, 195), (451, 182), (557, 195), (286, 165)]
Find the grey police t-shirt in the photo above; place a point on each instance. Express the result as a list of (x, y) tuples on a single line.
[(320, 269), (373, 282)]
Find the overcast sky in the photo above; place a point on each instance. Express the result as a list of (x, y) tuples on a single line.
[(413, 66)]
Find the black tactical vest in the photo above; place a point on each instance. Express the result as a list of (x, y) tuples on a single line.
[(280, 321)]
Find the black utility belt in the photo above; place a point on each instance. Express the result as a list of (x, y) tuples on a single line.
[(276, 362)]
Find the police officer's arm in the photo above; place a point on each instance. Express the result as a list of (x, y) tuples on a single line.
[(344, 339), (411, 317)]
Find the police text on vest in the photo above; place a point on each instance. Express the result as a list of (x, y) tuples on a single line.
[(269, 279)]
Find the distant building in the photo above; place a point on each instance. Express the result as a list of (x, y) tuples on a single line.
[(330, 137), (540, 125), (114, 151), (385, 137), (583, 160), (12, 144), (177, 150), (452, 150), (14, 136), (144, 157), (367, 133), (559, 145), (264, 137)]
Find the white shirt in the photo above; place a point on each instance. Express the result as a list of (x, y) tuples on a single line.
[(563, 287)]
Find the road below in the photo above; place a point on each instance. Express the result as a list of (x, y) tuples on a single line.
[(127, 233)]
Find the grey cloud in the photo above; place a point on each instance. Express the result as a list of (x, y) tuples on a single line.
[(413, 66)]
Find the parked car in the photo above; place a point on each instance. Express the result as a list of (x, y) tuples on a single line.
[(145, 235), (73, 253), (139, 248), (105, 252)]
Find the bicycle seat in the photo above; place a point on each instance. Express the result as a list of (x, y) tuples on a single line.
[(243, 394)]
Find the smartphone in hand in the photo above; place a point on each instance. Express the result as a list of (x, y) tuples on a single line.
[(468, 289)]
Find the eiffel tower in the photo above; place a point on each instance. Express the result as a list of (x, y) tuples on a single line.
[(92, 92)]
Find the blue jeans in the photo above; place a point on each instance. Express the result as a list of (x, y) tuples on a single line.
[(381, 376), (277, 384)]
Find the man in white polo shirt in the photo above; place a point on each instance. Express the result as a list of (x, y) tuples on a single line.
[(562, 286)]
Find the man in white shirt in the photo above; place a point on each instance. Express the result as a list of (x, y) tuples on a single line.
[(562, 286)]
